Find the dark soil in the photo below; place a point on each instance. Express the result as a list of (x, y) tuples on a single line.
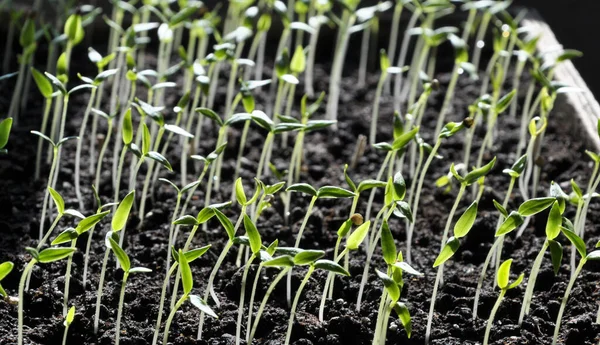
[(326, 152)]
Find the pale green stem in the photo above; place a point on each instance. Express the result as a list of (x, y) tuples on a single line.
[(161, 304), (24, 275), (238, 329), (531, 282), (486, 263), (490, 322), (265, 300), (565, 299), (288, 335), (171, 316), (82, 129), (438, 279), (100, 288), (38, 156), (68, 281)]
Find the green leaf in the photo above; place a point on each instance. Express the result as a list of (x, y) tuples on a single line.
[(556, 253), (405, 267), (54, 254), (140, 270), (475, 174), (466, 221), (226, 223), (5, 126), (70, 317), (403, 211), (306, 257), (517, 282), (302, 188), (74, 29), (202, 305), (262, 120), (534, 206), (519, 165), (146, 139), (500, 208), (298, 62), (186, 220), (594, 256), (253, 235), (178, 130), (280, 261), (240, 195), (358, 235), (120, 254), (270, 190), (127, 127), (370, 184), (576, 189), (326, 192), (388, 246), (345, 228), (205, 215), (160, 159), (184, 14), (211, 115), (576, 241), (390, 286), (448, 251), (67, 235), (58, 200), (194, 254), (404, 139), (404, 316), (399, 187), (5, 269), (503, 274), (349, 181), (90, 222), (505, 101), (511, 222), (43, 84), (122, 213), (554, 222), (186, 273), (331, 266)]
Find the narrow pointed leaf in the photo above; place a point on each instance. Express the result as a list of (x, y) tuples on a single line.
[(306, 257), (534, 206), (447, 252), (404, 316), (503, 274), (388, 246), (556, 254), (120, 254), (253, 235), (511, 222), (122, 213), (576, 241), (390, 285), (466, 221), (54, 254), (331, 266), (186, 274), (554, 221), (58, 200), (334, 192), (202, 305), (302, 188), (358, 235)]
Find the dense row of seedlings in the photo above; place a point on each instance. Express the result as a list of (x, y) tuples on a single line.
[(198, 44)]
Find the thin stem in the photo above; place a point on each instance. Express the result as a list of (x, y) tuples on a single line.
[(375, 112), (171, 316), (38, 156), (398, 83), (438, 278), (447, 99), (102, 153), (68, 281), (288, 335), (490, 322), (100, 288), (486, 263), (461, 191), (82, 129), (24, 275), (479, 43), (120, 309), (531, 282), (238, 329), (251, 302), (161, 305), (265, 300)]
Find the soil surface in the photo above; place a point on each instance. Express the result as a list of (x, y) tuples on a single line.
[(326, 152)]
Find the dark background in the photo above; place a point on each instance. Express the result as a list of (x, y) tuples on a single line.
[(576, 24)]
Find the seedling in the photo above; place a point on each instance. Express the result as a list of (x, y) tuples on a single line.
[(53, 171), (502, 280), (125, 263), (462, 227), (27, 41), (5, 126), (321, 7), (190, 256), (511, 222), (47, 255), (69, 318), (118, 222), (45, 88)]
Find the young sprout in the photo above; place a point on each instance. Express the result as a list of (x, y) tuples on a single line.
[(552, 231), (27, 40), (331, 266), (449, 130), (384, 65), (321, 7), (368, 21), (118, 222), (463, 225), (490, 8), (578, 243), (188, 284), (45, 88), (125, 263), (47, 255), (5, 127), (95, 84), (511, 222), (71, 235), (325, 192), (353, 242), (190, 256), (53, 171), (5, 269), (69, 318), (502, 280)]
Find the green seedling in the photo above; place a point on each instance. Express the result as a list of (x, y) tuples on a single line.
[(45, 88), (125, 263), (45, 256), (321, 7), (490, 9), (511, 222), (27, 41), (51, 174), (118, 222), (463, 225), (95, 84), (5, 127), (71, 235), (502, 280), (110, 119), (69, 318), (536, 127), (578, 243), (183, 259)]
